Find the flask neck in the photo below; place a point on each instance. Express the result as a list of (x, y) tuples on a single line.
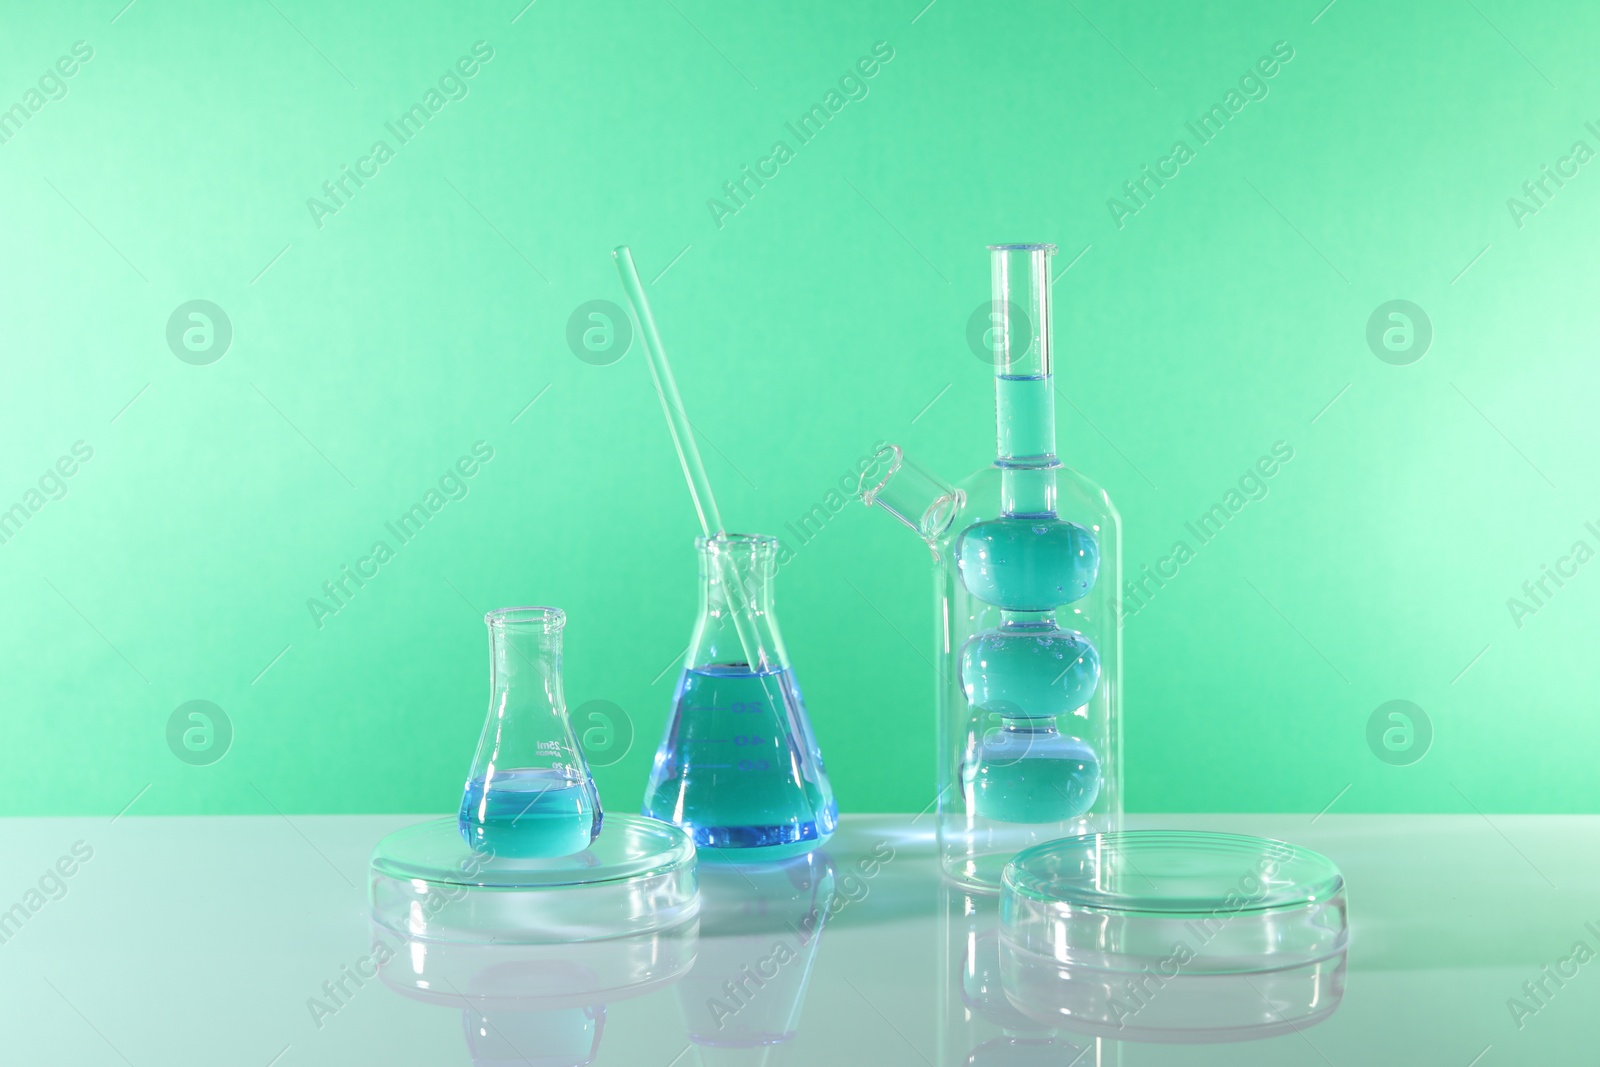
[(1024, 382), (530, 666), (525, 661), (527, 725), (736, 625)]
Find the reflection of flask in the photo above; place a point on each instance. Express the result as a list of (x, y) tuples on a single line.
[(529, 793), (563, 1037), (760, 926), (739, 767), (1028, 570), (543, 1005)]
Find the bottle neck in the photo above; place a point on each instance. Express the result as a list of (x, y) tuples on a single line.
[(1028, 621), (1024, 383)]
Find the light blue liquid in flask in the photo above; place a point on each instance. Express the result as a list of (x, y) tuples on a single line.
[(529, 794), (529, 813), (739, 767)]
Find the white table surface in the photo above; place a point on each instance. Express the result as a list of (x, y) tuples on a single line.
[(204, 940)]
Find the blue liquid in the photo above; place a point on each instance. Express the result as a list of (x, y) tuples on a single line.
[(1028, 564), (530, 814), (739, 768), (1023, 670), (1029, 773), (1025, 411)]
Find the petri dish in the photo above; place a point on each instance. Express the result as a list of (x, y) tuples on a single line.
[(1203, 903), (1173, 936), (639, 875)]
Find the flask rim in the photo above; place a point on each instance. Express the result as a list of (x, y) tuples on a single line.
[(534, 618), (724, 542), (1047, 248)]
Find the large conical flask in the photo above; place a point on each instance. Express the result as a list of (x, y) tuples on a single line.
[(529, 793), (1027, 565), (739, 767)]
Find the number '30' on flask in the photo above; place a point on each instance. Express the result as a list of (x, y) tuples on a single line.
[(739, 767)]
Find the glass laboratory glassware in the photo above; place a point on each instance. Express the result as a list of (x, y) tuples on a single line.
[(530, 793), (739, 767), (1174, 936), (1027, 565)]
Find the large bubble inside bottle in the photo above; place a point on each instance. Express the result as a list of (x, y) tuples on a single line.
[(1027, 567)]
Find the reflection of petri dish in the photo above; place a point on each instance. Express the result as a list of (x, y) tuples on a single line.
[(1202, 903), (637, 876), (1181, 1009)]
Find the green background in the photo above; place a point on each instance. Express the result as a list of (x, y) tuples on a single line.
[(828, 313)]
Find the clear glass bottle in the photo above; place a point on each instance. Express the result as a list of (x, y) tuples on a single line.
[(530, 793), (739, 767), (1027, 563)]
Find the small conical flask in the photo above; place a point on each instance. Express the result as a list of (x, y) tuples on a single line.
[(529, 793), (739, 767)]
